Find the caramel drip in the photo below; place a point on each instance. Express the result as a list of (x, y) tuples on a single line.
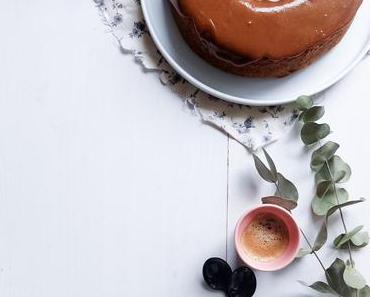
[(273, 29)]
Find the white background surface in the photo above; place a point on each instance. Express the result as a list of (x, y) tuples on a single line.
[(109, 187)]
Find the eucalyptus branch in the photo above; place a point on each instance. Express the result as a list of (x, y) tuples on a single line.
[(341, 213), (343, 280), (341, 216), (330, 170)]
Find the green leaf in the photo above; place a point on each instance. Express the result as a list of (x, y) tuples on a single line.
[(320, 206), (313, 114), (360, 239), (313, 132), (342, 175), (300, 117), (345, 238), (323, 154), (304, 252), (334, 276), (353, 278), (304, 102), (323, 188), (280, 201), (263, 171), (364, 292), (271, 164), (286, 188), (339, 170), (320, 287), (338, 239), (322, 236)]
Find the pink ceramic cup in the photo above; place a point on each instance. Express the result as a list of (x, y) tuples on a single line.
[(294, 238)]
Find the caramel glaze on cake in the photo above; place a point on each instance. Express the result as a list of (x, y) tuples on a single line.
[(263, 38)]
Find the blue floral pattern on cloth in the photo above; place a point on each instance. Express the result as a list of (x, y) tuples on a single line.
[(253, 127)]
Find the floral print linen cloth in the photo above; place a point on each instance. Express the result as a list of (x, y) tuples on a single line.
[(253, 127)]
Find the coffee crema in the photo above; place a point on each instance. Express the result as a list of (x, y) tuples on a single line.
[(265, 238)]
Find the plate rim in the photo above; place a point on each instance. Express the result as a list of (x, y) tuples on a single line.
[(235, 99)]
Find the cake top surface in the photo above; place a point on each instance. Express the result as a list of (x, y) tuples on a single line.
[(268, 28)]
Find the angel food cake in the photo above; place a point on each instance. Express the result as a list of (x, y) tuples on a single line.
[(263, 38)]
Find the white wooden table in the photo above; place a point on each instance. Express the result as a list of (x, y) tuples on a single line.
[(104, 194)]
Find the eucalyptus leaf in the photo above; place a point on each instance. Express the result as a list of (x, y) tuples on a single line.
[(360, 239), (312, 132), (286, 188), (288, 204), (304, 102), (364, 292), (320, 206), (323, 188), (345, 238), (301, 115), (342, 175), (263, 171), (362, 242), (320, 287), (304, 252), (322, 236), (271, 164), (338, 239), (343, 205), (323, 154), (335, 169), (313, 114), (334, 276), (353, 278)]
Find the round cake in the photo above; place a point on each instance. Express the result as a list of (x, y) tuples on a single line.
[(263, 38)]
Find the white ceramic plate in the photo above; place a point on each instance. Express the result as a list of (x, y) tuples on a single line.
[(316, 78)]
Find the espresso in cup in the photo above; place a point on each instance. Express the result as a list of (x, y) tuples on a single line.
[(265, 238)]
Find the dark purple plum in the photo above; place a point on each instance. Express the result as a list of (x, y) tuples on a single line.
[(217, 274), (243, 283)]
